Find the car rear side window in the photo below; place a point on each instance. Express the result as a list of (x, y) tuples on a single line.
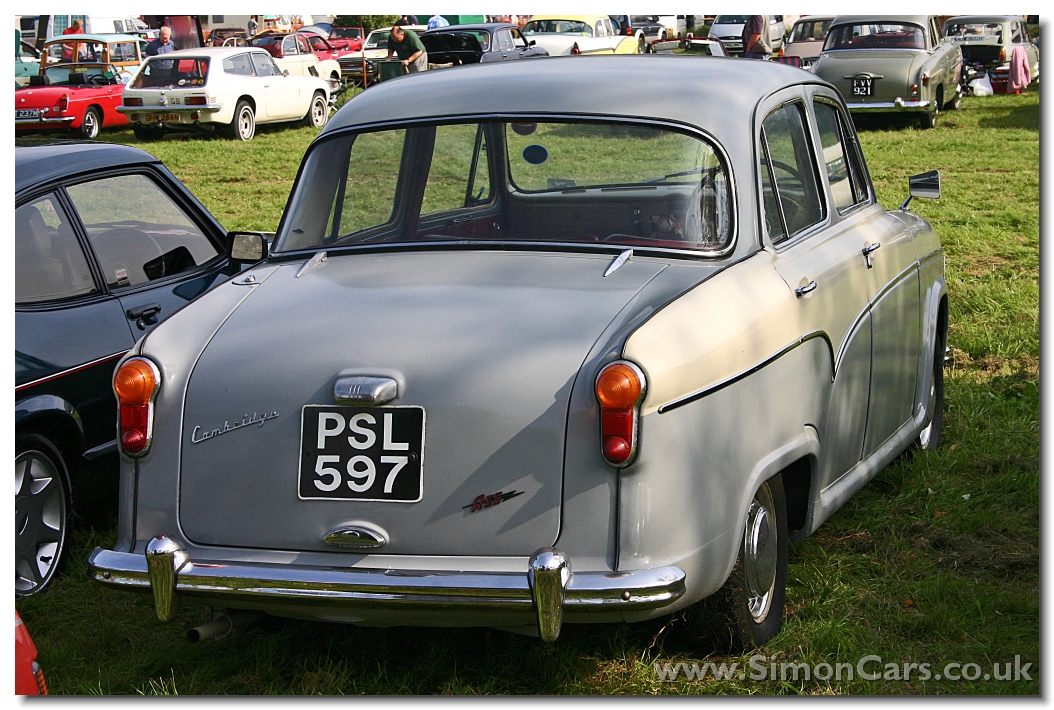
[(238, 64), (840, 158), (787, 157), (263, 64), (138, 232), (49, 262)]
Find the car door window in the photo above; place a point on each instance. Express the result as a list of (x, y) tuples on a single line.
[(504, 41), (302, 45), (1015, 33), (788, 162), (289, 46), (238, 64), (843, 170), (447, 187), (518, 39), (49, 262), (137, 231), (263, 64)]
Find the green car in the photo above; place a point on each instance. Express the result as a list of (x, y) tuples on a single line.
[(892, 64), (27, 60)]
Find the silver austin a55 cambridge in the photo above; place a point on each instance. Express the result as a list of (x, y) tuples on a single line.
[(521, 356)]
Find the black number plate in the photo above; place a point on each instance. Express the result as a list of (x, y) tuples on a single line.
[(362, 453), (863, 87)]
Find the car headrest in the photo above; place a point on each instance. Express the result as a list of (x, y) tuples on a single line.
[(40, 80), (77, 78)]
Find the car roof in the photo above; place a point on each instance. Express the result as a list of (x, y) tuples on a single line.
[(678, 90), (921, 20), (105, 39), (573, 18), (985, 18), (209, 52), (489, 26), (813, 18), (38, 164)]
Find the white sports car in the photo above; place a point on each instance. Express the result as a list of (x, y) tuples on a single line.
[(578, 34), (221, 88)]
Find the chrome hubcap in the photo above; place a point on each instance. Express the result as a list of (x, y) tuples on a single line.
[(759, 555), (40, 516)]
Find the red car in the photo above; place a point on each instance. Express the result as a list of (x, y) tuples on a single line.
[(79, 97), (325, 49), (29, 679), (350, 38)]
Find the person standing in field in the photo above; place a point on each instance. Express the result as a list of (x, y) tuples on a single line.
[(436, 21), (756, 41), (408, 46), (77, 28), (252, 25)]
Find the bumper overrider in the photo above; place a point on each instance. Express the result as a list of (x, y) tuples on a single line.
[(548, 588), (897, 104)]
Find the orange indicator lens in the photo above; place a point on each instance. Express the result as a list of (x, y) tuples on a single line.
[(135, 382), (618, 387)]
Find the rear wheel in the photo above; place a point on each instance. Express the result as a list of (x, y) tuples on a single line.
[(41, 499), (642, 47), (243, 127), (929, 120), (930, 437), (318, 112), (750, 604), (956, 103), (91, 124)]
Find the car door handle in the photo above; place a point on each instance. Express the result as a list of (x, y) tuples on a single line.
[(807, 288), (144, 315), (868, 251)]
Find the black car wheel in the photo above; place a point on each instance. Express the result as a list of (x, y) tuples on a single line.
[(243, 127), (929, 120), (41, 499), (91, 124), (748, 610), (930, 437), (318, 112)]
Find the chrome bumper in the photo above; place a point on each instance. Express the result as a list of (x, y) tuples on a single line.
[(897, 104), (548, 586), (169, 109), (44, 121)]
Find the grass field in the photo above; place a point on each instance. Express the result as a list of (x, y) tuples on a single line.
[(935, 562)]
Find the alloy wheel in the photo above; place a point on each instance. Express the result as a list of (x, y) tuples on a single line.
[(40, 520)]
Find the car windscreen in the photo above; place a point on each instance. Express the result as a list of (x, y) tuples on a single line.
[(346, 32), (533, 181), (810, 31), (567, 27), (76, 74), (377, 40), (636, 20), (731, 19), (182, 72), (975, 32), (875, 35)]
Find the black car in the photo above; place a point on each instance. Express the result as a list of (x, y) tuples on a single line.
[(472, 44), (108, 243)]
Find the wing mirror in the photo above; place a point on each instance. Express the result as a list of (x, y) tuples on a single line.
[(248, 247), (532, 42), (285, 72), (926, 185)]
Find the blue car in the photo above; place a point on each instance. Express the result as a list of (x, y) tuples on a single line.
[(108, 243)]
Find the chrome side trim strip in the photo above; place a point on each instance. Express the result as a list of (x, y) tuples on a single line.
[(867, 309), (264, 582), (669, 406), (70, 371)]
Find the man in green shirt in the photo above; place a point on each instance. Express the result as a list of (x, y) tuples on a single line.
[(408, 46)]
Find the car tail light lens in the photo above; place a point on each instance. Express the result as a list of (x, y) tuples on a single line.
[(575, 50), (132, 101), (195, 101), (620, 387), (629, 31), (63, 104), (136, 383), (1002, 54), (925, 79)]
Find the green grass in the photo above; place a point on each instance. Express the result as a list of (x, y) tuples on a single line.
[(935, 561)]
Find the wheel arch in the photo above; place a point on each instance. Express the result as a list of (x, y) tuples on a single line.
[(56, 421)]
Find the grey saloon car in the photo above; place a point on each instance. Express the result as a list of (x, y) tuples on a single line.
[(522, 357), (892, 64)]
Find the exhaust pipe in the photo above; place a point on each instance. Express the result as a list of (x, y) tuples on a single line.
[(221, 626)]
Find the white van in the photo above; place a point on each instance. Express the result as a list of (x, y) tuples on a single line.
[(96, 24)]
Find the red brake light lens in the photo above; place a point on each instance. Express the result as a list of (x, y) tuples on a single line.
[(64, 103), (195, 100), (136, 384), (619, 388), (132, 101)]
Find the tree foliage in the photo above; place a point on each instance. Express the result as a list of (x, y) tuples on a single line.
[(366, 22)]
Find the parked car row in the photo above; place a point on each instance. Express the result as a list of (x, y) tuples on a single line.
[(515, 341)]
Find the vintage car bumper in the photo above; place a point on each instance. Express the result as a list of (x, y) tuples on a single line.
[(545, 591), (42, 121), (211, 108), (897, 104)]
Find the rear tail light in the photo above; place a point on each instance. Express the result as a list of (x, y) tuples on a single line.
[(575, 50), (1002, 54), (925, 79), (195, 101), (63, 104), (620, 387), (629, 31), (132, 101), (136, 383)]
